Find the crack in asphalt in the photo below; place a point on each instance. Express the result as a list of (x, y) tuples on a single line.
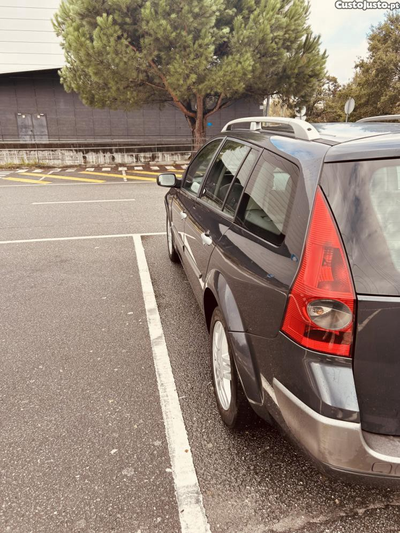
[(293, 523)]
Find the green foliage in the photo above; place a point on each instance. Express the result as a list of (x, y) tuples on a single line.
[(375, 86), (199, 54), (327, 104)]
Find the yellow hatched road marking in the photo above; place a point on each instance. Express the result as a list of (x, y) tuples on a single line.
[(26, 180), (135, 172), (70, 178), (120, 176)]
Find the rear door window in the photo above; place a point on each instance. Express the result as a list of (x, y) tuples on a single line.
[(267, 201), (239, 183), (223, 171)]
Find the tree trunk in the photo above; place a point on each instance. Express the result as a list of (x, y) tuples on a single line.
[(267, 105), (199, 126), (198, 134)]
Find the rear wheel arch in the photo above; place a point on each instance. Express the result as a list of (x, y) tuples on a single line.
[(219, 294)]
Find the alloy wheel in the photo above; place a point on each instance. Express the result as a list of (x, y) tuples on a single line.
[(222, 365)]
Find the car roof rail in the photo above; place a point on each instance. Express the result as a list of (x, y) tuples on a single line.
[(382, 118), (301, 129)]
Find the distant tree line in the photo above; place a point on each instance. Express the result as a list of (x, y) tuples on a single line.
[(375, 86)]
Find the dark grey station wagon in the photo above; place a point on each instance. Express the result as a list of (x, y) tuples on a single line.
[(289, 234)]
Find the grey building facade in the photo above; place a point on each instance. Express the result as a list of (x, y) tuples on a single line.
[(34, 107)]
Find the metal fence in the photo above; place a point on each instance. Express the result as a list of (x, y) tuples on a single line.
[(148, 140)]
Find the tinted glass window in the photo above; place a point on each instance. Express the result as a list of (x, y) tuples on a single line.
[(199, 166), (365, 199), (223, 171), (268, 198), (385, 198), (239, 183)]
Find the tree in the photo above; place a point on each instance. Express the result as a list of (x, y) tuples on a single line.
[(376, 83), (327, 103), (198, 54)]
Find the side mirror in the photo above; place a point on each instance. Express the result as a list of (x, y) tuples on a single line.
[(168, 180)]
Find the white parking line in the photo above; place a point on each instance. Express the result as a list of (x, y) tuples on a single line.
[(81, 238), (123, 170), (85, 201), (190, 501)]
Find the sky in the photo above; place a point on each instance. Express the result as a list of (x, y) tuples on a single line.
[(343, 33)]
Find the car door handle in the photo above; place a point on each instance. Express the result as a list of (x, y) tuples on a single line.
[(206, 239), (183, 215)]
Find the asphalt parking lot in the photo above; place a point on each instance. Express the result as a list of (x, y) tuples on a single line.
[(86, 441)]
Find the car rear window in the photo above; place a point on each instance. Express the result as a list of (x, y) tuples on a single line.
[(385, 199), (365, 199)]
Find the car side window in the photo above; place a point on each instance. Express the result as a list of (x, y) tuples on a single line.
[(198, 168), (223, 171), (239, 183), (267, 201)]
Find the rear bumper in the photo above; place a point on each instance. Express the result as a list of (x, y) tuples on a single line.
[(338, 445)]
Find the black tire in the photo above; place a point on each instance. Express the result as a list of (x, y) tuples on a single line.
[(172, 254), (239, 412)]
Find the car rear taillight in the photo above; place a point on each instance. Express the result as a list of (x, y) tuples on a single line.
[(321, 306)]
